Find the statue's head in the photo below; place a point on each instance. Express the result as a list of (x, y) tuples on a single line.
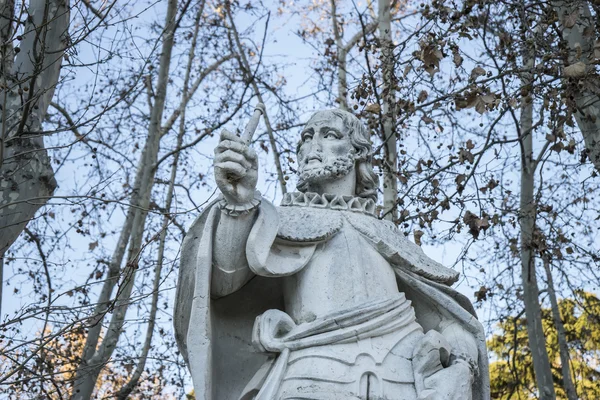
[(333, 143)]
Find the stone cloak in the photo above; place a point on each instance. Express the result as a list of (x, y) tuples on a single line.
[(215, 335)]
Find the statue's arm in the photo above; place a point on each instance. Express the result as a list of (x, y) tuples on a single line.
[(236, 173), (230, 266)]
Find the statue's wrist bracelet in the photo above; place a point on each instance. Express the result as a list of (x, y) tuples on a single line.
[(235, 210)]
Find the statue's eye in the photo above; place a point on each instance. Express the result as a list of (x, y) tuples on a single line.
[(306, 136), (331, 135)]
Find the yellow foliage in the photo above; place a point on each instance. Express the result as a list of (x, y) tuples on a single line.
[(50, 372), (512, 375)]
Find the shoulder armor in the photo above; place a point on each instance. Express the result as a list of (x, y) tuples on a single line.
[(307, 224), (395, 247)]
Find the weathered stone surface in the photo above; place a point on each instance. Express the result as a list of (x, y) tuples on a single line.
[(298, 224), (317, 298)]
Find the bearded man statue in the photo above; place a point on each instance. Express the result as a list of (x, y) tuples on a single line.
[(318, 298)]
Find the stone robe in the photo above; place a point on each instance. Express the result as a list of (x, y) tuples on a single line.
[(216, 336)]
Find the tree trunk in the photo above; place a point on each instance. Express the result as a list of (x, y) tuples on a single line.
[(94, 360), (126, 390), (26, 175), (562, 337), (342, 98), (390, 177), (588, 102), (533, 312), (245, 66), (342, 51)]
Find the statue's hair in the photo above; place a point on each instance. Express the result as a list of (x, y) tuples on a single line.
[(367, 181)]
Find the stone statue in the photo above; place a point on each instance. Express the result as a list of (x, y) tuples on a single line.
[(318, 298)]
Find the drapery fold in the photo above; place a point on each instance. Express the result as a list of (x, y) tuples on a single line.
[(207, 329)]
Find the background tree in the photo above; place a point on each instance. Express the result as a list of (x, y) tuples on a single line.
[(512, 372), (54, 369), (31, 55)]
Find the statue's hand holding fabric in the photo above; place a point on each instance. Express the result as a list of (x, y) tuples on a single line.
[(236, 169), (439, 375)]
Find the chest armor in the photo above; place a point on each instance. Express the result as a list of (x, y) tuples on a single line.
[(310, 225)]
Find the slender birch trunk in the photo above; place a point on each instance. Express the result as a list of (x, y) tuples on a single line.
[(390, 177), (126, 390), (581, 50), (341, 53), (531, 293), (91, 366), (27, 85), (562, 337)]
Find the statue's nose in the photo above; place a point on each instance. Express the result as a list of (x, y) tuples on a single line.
[(313, 152), (315, 144)]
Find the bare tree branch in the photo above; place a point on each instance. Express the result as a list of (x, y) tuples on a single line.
[(245, 66)]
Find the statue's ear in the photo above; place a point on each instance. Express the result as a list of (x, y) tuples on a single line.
[(359, 154)]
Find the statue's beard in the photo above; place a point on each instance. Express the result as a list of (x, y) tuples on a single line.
[(326, 170)]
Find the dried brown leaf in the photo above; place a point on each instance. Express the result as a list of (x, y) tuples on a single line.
[(417, 235), (570, 250), (475, 223), (374, 108), (481, 294), (576, 70), (571, 20), (465, 155), (488, 98), (430, 55), (427, 120), (477, 72), (457, 59)]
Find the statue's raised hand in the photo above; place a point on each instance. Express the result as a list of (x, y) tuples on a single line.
[(236, 168)]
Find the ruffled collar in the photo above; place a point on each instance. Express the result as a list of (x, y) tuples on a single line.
[(330, 201)]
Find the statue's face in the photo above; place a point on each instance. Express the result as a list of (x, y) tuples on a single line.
[(326, 151)]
